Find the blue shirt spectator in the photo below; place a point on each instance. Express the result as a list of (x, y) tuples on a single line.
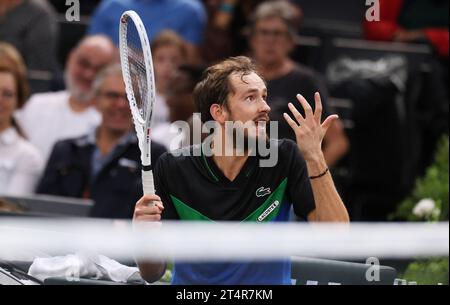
[(186, 17)]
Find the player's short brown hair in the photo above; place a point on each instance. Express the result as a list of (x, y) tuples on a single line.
[(215, 85)]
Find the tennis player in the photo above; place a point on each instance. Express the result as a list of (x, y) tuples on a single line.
[(201, 186)]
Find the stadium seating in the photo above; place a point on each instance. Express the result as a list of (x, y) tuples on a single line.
[(309, 271), (313, 271)]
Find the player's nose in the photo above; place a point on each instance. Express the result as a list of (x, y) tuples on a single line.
[(265, 107)]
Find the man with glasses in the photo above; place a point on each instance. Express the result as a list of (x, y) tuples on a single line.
[(52, 116), (103, 165)]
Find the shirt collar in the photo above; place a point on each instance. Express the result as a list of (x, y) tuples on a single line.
[(9, 136), (216, 174), (91, 138)]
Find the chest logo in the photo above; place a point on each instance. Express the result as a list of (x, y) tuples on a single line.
[(269, 210), (261, 192)]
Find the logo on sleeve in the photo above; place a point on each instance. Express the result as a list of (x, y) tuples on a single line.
[(261, 192)]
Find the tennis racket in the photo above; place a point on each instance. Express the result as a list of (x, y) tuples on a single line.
[(137, 71)]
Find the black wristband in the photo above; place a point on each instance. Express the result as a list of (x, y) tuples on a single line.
[(320, 175)]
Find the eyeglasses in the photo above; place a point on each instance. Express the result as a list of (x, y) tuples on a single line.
[(277, 34), (113, 96)]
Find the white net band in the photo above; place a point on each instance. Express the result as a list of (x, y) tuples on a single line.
[(191, 241)]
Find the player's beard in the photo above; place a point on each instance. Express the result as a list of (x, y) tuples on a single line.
[(250, 142), (76, 92)]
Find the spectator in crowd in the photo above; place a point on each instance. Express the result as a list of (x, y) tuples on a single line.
[(218, 42), (412, 21), (30, 25), (180, 104), (271, 39), (421, 21), (104, 164), (185, 17), (49, 117), (169, 52), (20, 162), (225, 31), (179, 99)]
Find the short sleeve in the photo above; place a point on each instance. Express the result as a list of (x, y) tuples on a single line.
[(299, 187), (28, 170), (160, 174)]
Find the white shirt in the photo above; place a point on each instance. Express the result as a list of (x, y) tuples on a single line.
[(167, 135), (161, 112), (20, 164), (48, 118)]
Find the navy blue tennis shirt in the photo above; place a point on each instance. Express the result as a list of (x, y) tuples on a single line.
[(193, 188)]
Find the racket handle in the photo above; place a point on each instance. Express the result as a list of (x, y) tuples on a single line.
[(147, 182)]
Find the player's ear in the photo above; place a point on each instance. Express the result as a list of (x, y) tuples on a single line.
[(218, 113)]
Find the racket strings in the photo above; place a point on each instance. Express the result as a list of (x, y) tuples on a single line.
[(137, 70)]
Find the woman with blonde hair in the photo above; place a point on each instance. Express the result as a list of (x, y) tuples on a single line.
[(20, 163)]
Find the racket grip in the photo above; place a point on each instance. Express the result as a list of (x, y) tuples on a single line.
[(147, 182)]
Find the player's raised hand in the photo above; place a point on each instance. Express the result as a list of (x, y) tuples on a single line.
[(309, 130)]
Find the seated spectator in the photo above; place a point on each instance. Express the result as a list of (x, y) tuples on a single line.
[(412, 21), (218, 42), (179, 98), (271, 40), (49, 117), (105, 164), (169, 52), (225, 31), (30, 25), (185, 17), (180, 104), (10, 56), (20, 162)]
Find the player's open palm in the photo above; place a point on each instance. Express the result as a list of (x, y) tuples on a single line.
[(309, 130)]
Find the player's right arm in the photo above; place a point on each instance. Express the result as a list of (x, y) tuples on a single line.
[(149, 209)]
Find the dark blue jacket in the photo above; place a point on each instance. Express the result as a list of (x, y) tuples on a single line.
[(115, 189)]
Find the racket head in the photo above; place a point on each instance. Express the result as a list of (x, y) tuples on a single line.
[(138, 75)]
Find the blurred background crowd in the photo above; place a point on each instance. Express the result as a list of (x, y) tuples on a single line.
[(66, 128)]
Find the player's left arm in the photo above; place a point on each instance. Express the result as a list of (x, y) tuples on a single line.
[(310, 132)]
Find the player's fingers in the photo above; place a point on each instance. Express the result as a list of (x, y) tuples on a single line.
[(306, 106), (300, 119), (290, 121), (147, 210), (329, 121), (155, 217), (159, 205), (318, 107), (147, 199)]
